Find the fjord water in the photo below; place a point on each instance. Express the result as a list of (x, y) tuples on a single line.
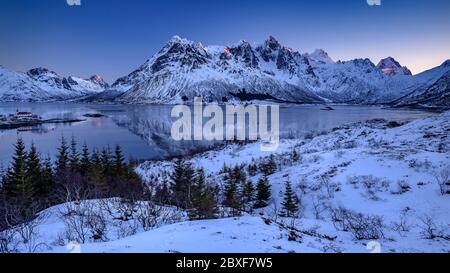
[(143, 131)]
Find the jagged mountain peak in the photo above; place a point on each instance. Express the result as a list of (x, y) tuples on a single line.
[(40, 71), (361, 62), (272, 43), (319, 56), (97, 79), (392, 67)]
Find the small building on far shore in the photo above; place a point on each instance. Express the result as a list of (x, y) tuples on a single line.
[(24, 114)]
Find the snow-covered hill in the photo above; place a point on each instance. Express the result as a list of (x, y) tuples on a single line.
[(183, 69), (41, 84)]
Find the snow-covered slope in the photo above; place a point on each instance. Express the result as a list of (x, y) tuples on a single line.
[(370, 169), (41, 84), (183, 69), (432, 89)]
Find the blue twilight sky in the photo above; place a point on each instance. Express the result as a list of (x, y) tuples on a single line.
[(113, 37)]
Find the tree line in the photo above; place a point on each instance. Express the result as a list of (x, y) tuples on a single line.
[(189, 189), (33, 183)]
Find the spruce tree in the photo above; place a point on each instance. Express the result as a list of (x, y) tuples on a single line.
[(74, 157), (162, 192), (118, 157), (182, 179), (203, 199), (16, 174), (252, 169), (96, 178), (62, 159), (118, 161), (248, 194), (106, 160), (231, 193), (85, 160), (290, 203), (46, 187), (19, 188), (271, 166), (34, 169), (262, 192)]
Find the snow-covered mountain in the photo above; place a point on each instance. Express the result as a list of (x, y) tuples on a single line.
[(186, 69), (41, 84), (433, 90), (183, 69)]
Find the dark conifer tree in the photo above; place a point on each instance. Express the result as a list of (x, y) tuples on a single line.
[(162, 192), (118, 157), (182, 180), (252, 169), (34, 170), (85, 160), (262, 192), (106, 160), (46, 188), (290, 203), (248, 195), (271, 166), (231, 194), (118, 161), (97, 179), (74, 157), (16, 174), (62, 159), (19, 188), (203, 199)]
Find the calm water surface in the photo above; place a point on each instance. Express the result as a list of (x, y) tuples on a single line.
[(144, 130)]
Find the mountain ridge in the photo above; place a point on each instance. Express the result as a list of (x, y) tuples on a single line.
[(183, 69)]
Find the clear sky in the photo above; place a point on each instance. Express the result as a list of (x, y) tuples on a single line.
[(113, 37)]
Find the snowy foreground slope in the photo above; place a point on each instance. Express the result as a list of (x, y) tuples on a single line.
[(375, 168)]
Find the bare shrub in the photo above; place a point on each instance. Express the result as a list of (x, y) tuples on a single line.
[(29, 236), (443, 180), (431, 230), (371, 185), (20, 228), (402, 226), (401, 187), (84, 222), (8, 241), (419, 165), (319, 207), (329, 186), (149, 215), (362, 227)]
